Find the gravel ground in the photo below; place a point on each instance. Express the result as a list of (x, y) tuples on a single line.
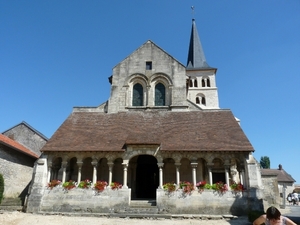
[(19, 218)]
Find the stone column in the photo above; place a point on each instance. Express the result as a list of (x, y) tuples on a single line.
[(49, 171), (194, 166), (125, 166), (177, 173), (242, 176), (94, 164), (160, 166), (79, 164), (210, 176), (227, 176), (110, 172), (64, 166)]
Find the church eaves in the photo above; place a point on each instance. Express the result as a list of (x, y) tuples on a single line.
[(196, 58)]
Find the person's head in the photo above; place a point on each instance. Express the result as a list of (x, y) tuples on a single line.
[(273, 213)]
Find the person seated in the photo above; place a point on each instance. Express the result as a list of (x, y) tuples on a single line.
[(273, 217)]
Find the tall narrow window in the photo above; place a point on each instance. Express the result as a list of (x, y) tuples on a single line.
[(195, 83), (137, 95), (203, 83), (208, 82), (149, 65), (160, 94), (197, 100), (191, 83), (203, 102)]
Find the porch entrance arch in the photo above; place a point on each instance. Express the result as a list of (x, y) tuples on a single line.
[(147, 177)]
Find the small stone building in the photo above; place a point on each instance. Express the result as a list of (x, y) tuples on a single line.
[(162, 123), (19, 149), (278, 183)]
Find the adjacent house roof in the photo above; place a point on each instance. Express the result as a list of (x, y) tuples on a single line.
[(282, 176), (210, 130), (30, 127), (17, 146)]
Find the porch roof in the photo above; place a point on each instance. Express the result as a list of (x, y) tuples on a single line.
[(209, 130)]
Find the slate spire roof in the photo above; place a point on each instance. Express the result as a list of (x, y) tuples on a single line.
[(196, 58)]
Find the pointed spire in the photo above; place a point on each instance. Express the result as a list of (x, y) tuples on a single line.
[(196, 58)]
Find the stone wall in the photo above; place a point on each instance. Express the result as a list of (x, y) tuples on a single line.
[(271, 192), (207, 202), (17, 171)]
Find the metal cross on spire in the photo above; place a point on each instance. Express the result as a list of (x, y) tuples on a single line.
[(193, 11)]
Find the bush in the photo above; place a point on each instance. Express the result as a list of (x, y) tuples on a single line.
[(253, 215), (1, 187)]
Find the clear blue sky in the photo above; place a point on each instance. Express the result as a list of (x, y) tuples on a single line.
[(55, 55)]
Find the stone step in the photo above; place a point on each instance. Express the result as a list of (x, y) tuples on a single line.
[(11, 208), (142, 203), (11, 202)]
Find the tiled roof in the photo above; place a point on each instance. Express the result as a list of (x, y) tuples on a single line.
[(17, 146), (215, 130), (282, 176)]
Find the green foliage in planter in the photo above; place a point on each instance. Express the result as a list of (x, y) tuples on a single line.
[(1, 187), (170, 187), (253, 215), (69, 185)]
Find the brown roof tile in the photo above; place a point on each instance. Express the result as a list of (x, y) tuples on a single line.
[(215, 130), (17, 146), (282, 176)]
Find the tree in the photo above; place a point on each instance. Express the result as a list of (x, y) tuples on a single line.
[(265, 162)]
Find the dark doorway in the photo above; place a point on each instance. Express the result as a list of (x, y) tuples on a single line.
[(217, 177), (146, 177)]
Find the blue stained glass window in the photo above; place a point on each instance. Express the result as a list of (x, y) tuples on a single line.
[(137, 97), (160, 94)]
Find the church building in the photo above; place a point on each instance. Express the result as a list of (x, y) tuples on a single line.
[(161, 124)]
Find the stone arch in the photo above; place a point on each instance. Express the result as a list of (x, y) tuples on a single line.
[(200, 99), (72, 169), (186, 170), (56, 173), (163, 79), (201, 171), (218, 170), (169, 170), (118, 170), (102, 169), (143, 176), (137, 79), (87, 169)]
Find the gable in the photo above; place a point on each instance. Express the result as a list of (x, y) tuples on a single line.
[(149, 51)]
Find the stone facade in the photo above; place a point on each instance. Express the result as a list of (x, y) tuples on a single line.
[(162, 123), (17, 171)]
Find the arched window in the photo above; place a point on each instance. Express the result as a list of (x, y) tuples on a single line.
[(203, 102), (195, 83), (203, 83), (208, 82), (197, 100), (160, 94), (191, 83), (137, 96)]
